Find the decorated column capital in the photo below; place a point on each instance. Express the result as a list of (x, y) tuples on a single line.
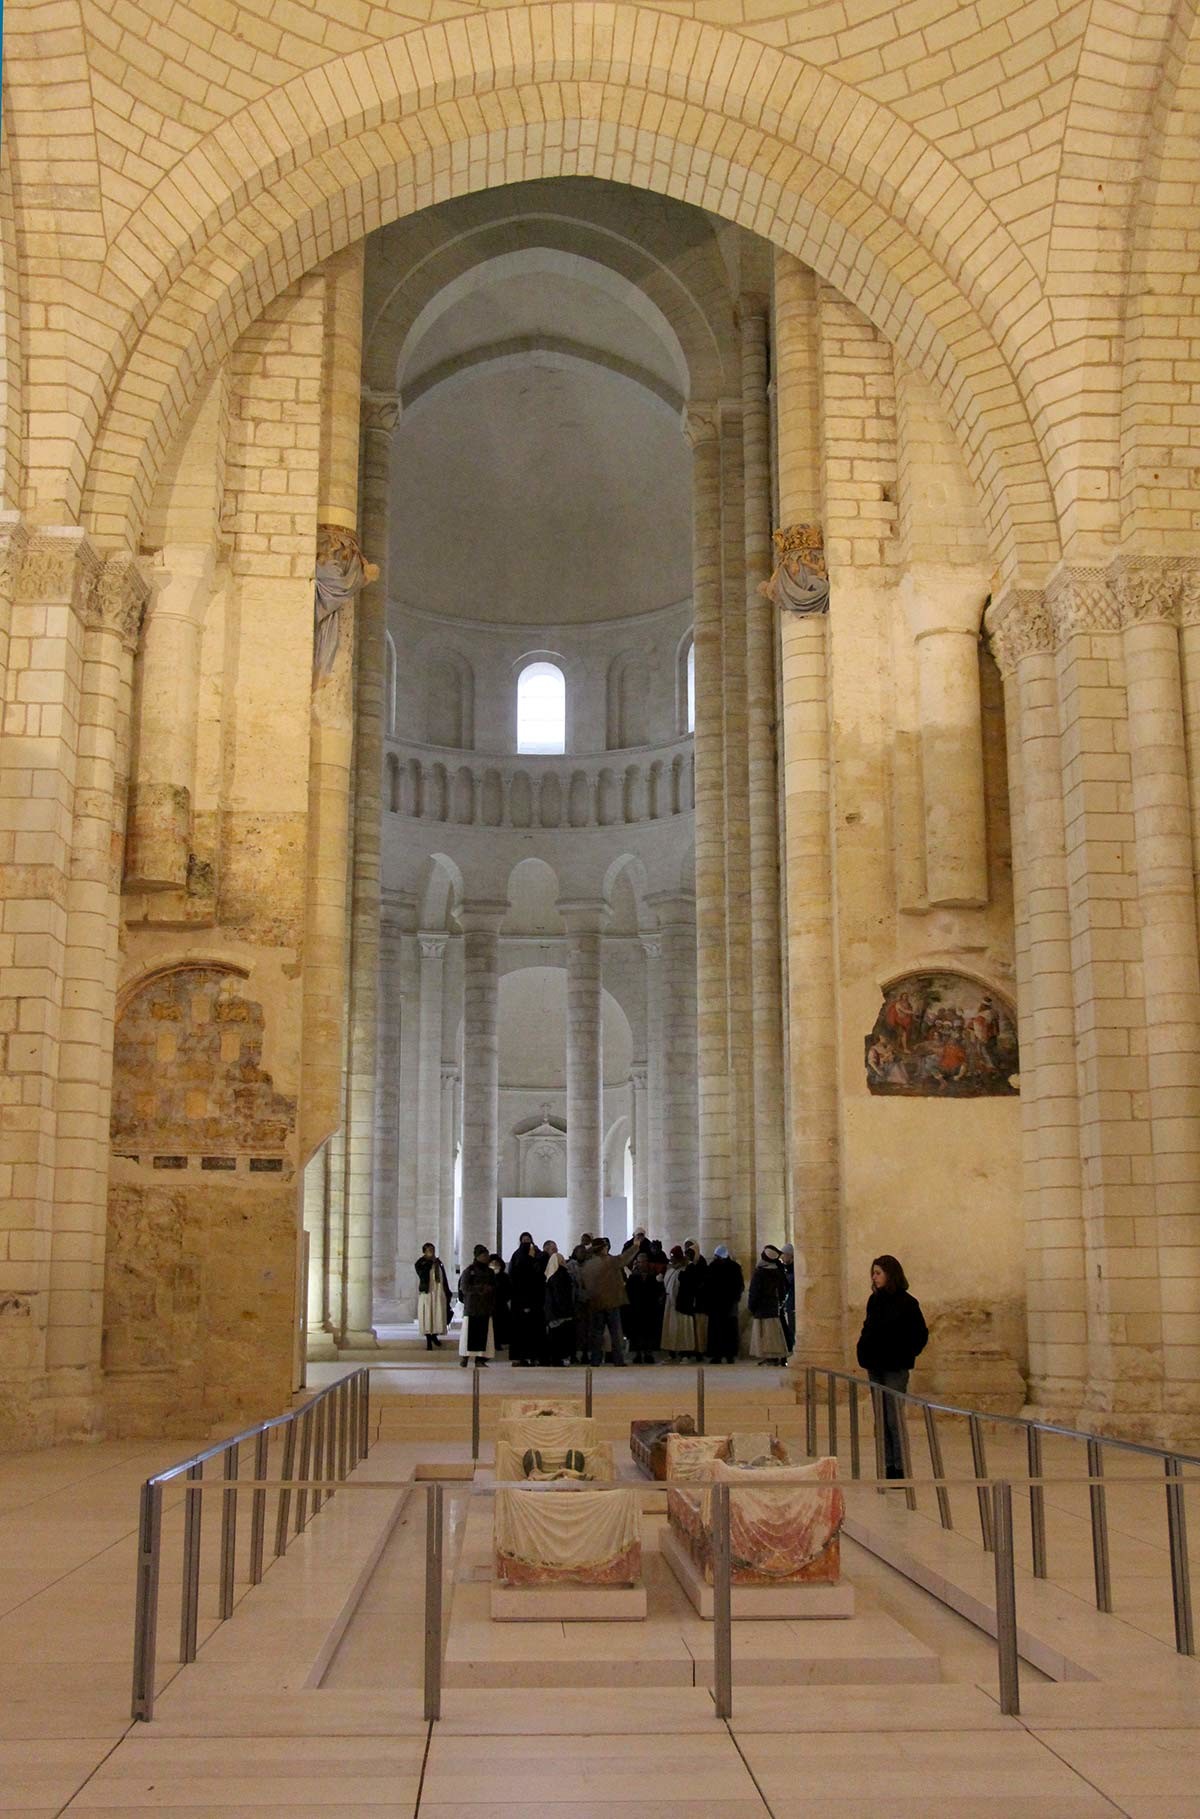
[(701, 423), (1017, 624), (1158, 590), (379, 413), (118, 603), (1082, 599), (60, 566), (432, 943)]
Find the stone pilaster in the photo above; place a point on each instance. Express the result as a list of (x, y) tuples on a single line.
[(450, 1084), (584, 923), (681, 1131), (159, 843), (407, 1243), (770, 1193), (639, 1100), (432, 949), (656, 1073), (480, 1073), (386, 1259), (712, 982)]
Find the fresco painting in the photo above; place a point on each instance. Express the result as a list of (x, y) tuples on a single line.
[(943, 1036)]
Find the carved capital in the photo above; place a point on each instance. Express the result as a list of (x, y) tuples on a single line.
[(13, 540), (59, 568), (639, 1074), (652, 946), (432, 945), (119, 602), (800, 581), (1158, 590), (1082, 599), (701, 423), (1018, 624), (379, 413)]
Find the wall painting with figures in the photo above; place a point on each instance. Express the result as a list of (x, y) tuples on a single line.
[(942, 1036)]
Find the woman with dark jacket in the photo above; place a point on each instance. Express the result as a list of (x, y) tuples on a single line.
[(500, 1310), (690, 1299), (768, 1292), (477, 1292), (558, 1307), (433, 1297), (643, 1316), (724, 1286), (894, 1335), (526, 1302)]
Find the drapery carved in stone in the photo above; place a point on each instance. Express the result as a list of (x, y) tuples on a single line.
[(342, 572), (800, 582)]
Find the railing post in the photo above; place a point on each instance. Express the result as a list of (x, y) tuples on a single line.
[(855, 1442), (722, 1605), (305, 1423), (937, 1467), (318, 1450), (189, 1606), (587, 1390), (699, 1398), (878, 1413), (475, 1412), (1037, 1501), (366, 1412), (979, 1462), (1181, 1578), (810, 1411), (831, 1415), (353, 1424), (258, 1505), (1099, 1503), (433, 1602), (331, 1440), (229, 1531), (145, 1629), (1006, 1599), (286, 1471), (900, 1410)]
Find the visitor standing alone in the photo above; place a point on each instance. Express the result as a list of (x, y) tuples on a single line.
[(894, 1335), (433, 1297)]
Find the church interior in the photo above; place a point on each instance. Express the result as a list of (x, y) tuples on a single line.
[(599, 638)]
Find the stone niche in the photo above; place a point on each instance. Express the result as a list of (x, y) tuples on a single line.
[(201, 1254)]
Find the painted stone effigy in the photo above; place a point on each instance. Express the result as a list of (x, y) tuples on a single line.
[(942, 1036)]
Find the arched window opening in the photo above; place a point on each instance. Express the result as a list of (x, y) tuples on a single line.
[(541, 709), (685, 685), (691, 687)]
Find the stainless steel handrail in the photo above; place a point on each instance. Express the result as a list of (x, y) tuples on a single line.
[(342, 1411)]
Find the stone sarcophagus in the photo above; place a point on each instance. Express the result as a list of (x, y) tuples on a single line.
[(547, 1446), (648, 1443), (785, 1526), (563, 1555)]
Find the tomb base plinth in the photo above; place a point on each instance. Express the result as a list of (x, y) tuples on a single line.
[(784, 1599), (568, 1603)]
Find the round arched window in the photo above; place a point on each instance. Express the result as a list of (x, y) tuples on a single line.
[(541, 709)]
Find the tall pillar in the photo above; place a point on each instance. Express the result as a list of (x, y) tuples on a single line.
[(944, 608), (160, 802), (770, 1192), (386, 1260), (1151, 594), (432, 947), (407, 1241), (656, 1064), (641, 1144), (807, 784), (446, 1181), (680, 1109), (480, 924), (1022, 638), (712, 984), (585, 1069), (739, 1031)]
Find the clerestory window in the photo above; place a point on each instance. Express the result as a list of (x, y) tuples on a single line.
[(541, 709)]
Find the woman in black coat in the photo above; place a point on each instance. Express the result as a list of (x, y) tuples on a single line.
[(500, 1310), (643, 1316), (724, 1286), (894, 1335), (691, 1300), (526, 1302)]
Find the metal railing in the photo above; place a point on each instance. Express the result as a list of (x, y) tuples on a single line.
[(322, 1442), (1095, 1447)]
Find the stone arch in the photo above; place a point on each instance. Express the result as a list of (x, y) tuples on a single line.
[(836, 179), (440, 893)]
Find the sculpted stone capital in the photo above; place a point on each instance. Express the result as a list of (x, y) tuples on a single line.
[(61, 568), (1082, 598), (1018, 624), (379, 413), (1158, 590), (431, 944), (701, 423), (119, 602), (13, 539)]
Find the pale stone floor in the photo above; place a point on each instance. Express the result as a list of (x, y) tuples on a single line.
[(276, 1714)]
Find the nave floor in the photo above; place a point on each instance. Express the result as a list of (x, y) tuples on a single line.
[(249, 1730)]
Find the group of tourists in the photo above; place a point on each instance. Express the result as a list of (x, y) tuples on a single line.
[(642, 1304)]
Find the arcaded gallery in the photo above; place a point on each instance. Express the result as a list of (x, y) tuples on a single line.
[(600, 770)]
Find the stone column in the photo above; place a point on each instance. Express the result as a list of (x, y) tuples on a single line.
[(807, 784), (407, 1242), (446, 1181), (480, 924), (1056, 1287), (712, 984), (1151, 594), (584, 923), (680, 1111), (770, 1193), (369, 666), (432, 947), (944, 608), (656, 1066), (641, 1144), (160, 803), (386, 1260), (91, 961)]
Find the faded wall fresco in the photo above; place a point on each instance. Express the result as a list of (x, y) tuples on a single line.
[(940, 1035)]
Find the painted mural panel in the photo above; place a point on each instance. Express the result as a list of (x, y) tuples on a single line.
[(940, 1035)]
